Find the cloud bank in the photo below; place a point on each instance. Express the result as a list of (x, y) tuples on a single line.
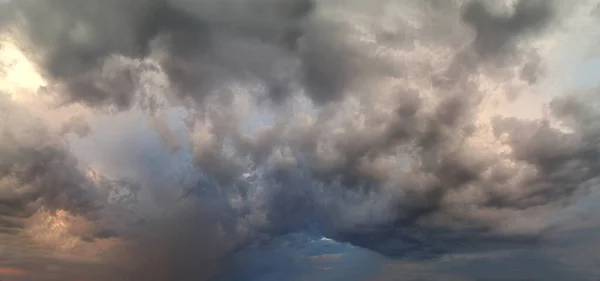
[(165, 135)]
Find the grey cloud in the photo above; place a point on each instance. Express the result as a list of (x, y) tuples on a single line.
[(431, 136), (207, 43), (561, 164), (187, 239), (95, 88), (77, 125), (433, 128), (202, 40), (37, 170), (532, 70), (496, 33), (434, 138), (75, 37), (564, 161), (344, 170), (329, 62)]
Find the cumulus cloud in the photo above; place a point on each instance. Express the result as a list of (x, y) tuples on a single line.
[(494, 32), (56, 212), (37, 168), (387, 126)]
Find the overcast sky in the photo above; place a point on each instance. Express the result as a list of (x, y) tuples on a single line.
[(230, 140)]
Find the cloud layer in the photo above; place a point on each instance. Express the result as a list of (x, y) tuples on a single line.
[(405, 127)]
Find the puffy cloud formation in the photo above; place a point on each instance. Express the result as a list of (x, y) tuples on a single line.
[(163, 135)]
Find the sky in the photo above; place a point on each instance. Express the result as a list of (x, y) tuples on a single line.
[(259, 140)]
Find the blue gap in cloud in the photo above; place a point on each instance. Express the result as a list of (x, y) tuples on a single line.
[(302, 256)]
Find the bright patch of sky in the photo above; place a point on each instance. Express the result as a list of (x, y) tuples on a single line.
[(574, 67), (124, 146), (300, 105), (586, 74), (300, 256), (259, 118)]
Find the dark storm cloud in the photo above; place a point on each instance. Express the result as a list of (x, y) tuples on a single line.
[(204, 40), (398, 174), (435, 132), (414, 243), (531, 70), (208, 44), (496, 33), (75, 37), (427, 132), (561, 164), (330, 63), (551, 166)]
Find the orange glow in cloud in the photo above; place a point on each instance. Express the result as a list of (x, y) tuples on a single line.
[(12, 271)]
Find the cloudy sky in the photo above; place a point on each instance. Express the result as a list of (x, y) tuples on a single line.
[(259, 140)]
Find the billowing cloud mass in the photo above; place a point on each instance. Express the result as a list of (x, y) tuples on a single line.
[(152, 139)]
